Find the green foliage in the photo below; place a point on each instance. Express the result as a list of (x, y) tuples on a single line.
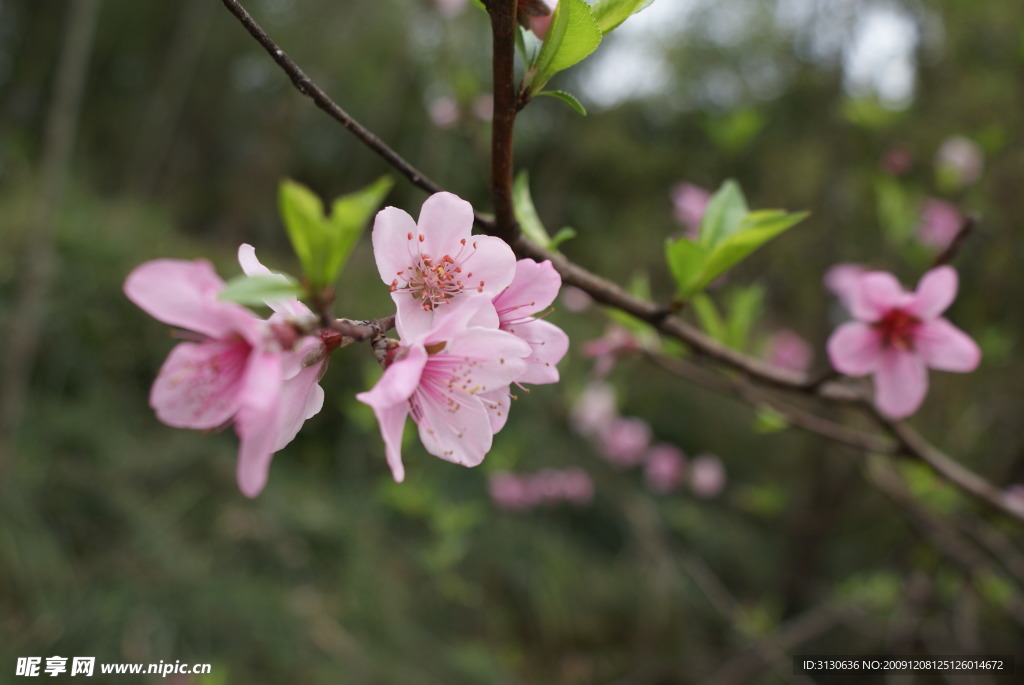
[(729, 233), (610, 13), (529, 220), (256, 290), (322, 242), (567, 98), (572, 35), (767, 421)]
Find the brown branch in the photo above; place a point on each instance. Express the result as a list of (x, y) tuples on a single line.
[(503, 28), (358, 331)]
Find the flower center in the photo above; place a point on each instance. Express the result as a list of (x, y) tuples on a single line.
[(897, 328), (435, 280)]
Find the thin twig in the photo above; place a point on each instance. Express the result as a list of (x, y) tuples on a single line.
[(949, 254)]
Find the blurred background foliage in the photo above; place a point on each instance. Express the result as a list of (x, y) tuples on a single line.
[(128, 540)]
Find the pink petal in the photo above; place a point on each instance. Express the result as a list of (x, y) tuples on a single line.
[(548, 344), (462, 436), (199, 384), (392, 424), (395, 242), (874, 294), (301, 398), (445, 219), (252, 266), (257, 422), (901, 383), (490, 358), (935, 292), (533, 289), (842, 279), (492, 263), (497, 403), (945, 347), (855, 349), (399, 381), (181, 293)]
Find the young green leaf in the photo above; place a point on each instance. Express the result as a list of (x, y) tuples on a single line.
[(323, 243), (572, 35), (610, 13), (743, 307), (710, 318), (255, 290), (567, 98), (561, 235), (725, 212), (685, 260), (350, 214), (526, 213)]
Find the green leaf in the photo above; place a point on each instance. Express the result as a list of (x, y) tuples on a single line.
[(743, 307), (729, 234), (526, 212), (610, 13), (710, 319), (567, 98), (350, 215), (253, 290), (324, 243), (767, 420), (572, 35), (561, 235), (725, 212)]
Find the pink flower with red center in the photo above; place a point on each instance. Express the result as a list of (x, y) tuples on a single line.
[(533, 289), (437, 263), (898, 335), (452, 379), (240, 369)]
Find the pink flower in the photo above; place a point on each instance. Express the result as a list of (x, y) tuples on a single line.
[(533, 289), (624, 441), (451, 8), (898, 335), (594, 409), (535, 15), (241, 369), (605, 350), (436, 263), (707, 476), (577, 486), (841, 279), (510, 491), (690, 204), (452, 378), (664, 467), (575, 300), (789, 350), (940, 223)]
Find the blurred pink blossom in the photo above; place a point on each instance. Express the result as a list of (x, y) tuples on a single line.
[(443, 111), (519, 492), (690, 202), (594, 409), (451, 8), (664, 467), (897, 335), (962, 158), (1013, 496), (789, 350), (604, 350), (510, 491), (577, 486), (574, 299), (940, 223), (624, 441), (707, 476), (897, 160)]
